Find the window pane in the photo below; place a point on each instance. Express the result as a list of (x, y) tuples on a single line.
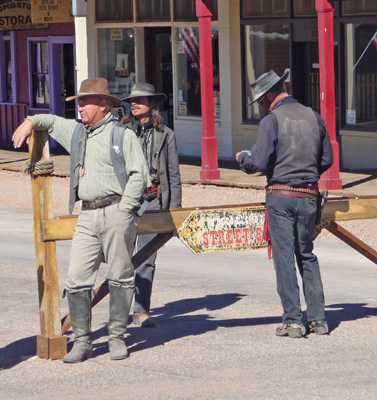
[(116, 59), (185, 10), (359, 7), (189, 96), (40, 76), (266, 47), (114, 10), (153, 10), (304, 8), (361, 79), (9, 72), (265, 8)]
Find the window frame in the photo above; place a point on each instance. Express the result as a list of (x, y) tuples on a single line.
[(31, 40), (3, 68)]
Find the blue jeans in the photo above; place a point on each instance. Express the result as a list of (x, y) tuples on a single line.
[(292, 222)]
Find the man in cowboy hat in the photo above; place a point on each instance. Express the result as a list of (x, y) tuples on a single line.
[(160, 150), (107, 224), (293, 149)]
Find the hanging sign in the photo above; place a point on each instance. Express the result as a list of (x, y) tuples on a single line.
[(51, 11), (16, 15), (230, 229)]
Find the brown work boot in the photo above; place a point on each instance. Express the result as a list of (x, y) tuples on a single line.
[(319, 327), (291, 330), (143, 319)]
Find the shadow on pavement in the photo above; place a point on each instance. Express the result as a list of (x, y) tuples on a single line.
[(18, 351), (347, 312), (172, 324)]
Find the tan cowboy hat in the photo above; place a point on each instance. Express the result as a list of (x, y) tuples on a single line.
[(97, 87), (140, 89), (265, 83)]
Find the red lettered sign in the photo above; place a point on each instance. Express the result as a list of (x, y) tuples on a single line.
[(230, 229)]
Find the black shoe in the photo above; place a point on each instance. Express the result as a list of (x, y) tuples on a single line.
[(319, 327), (143, 319)]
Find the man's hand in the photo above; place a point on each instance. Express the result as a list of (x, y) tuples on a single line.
[(242, 151), (22, 133)]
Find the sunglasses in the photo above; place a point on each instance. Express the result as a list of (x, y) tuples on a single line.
[(261, 99)]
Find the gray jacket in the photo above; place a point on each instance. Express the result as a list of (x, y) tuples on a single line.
[(166, 155), (168, 169)]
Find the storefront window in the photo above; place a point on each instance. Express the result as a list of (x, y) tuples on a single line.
[(265, 8), (361, 79), (266, 48), (40, 75), (185, 10), (189, 96), (116, 59), (362, 7), (153, 10), (114, 10), (304, 8), (7, 53)]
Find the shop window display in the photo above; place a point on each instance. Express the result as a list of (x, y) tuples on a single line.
[(361, 74), (116, 59), (188, 63), (266, 48)]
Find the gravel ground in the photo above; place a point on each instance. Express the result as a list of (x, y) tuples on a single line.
[(15, 190)]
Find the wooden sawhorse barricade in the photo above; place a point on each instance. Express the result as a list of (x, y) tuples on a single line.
[(52, 343)]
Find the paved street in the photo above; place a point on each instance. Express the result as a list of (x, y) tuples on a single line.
[(214, 339)]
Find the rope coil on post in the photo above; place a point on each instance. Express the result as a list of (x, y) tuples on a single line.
[(38, 168)]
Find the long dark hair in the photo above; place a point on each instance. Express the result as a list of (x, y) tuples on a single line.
[(158, 122)]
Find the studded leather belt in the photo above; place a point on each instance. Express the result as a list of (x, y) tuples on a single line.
[(292, 191), (101, 202)]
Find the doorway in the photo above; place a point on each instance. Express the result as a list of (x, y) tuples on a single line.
[(305, 70), (159, 68)]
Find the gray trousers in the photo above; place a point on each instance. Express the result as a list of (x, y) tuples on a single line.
[(102, 235), (292, 221), (144, 274)]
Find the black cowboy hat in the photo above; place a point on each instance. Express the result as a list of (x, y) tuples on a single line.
[(265, 83)]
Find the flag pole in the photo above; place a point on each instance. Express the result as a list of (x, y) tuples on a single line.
[(366, 48)]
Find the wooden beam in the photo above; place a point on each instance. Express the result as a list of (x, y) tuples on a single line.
[(352, 241), (163, 221), (50, 343)]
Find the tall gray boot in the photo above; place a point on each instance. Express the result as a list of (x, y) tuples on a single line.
[(80, 309), (120, 304)]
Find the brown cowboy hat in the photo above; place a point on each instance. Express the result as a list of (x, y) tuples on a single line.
[(97, 87), (140, 89)]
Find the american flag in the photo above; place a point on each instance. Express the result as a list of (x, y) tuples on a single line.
[(190, 41)]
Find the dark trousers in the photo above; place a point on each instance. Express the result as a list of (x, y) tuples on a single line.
[(292, 222), (144, 274)]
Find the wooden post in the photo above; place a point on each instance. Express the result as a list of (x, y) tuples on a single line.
[(50, 343)]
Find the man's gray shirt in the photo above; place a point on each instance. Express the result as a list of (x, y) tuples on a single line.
[(98, 178)]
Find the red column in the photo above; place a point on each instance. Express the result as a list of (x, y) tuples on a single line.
[(325, 8), (209, 142)]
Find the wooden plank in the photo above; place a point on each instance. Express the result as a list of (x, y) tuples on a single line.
[(350, 209), (163, 221), (47, 269), (352, 241)]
